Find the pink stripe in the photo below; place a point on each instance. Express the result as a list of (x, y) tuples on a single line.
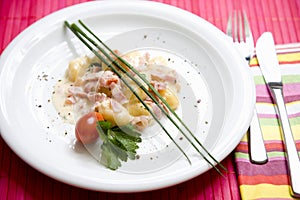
[(291, 93), (274, 167), (263, 115), (276, 158), (243, 142), (273, 141), (270, 159), (245, 160)]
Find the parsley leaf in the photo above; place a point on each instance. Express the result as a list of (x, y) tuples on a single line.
[(119, 143)]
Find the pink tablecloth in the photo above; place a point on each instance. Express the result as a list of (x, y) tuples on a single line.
[(19, 181)]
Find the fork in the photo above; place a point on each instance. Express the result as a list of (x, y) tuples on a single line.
[(238, 30)]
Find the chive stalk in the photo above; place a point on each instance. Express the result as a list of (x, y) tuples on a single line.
[(113, 63), (150, 95), (128, 85)]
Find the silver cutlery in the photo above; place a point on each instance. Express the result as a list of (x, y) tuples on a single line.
[(268, 62), (238, 29)]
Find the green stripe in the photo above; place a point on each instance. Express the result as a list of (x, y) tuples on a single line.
[(275, 122), (276, 154), (271, 154), (269, 121), (241, 155), (259, 80)]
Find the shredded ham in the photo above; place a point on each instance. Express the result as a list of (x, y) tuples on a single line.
[(92, 76), (117, 94), (90, 86), (77, 92), (96, 97), (107, 78)]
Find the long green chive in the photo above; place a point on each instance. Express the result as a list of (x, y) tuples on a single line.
[(154, 90), (76, 30), (75, 27), (127, 84)]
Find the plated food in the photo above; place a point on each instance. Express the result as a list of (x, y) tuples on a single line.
[(37, 58), (89, 85), (90, 93)]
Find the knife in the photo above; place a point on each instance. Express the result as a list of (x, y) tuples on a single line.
[(267, 58)]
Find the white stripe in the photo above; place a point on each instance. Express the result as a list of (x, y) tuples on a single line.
[(268, 108), (287, 48), (285, 69)]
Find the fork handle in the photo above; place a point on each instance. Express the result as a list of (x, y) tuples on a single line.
[(258, 154), (290, 147)]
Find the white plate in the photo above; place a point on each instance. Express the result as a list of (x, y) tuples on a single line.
[(38, 57)]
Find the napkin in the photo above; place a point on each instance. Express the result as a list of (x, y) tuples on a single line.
[(270, 180)]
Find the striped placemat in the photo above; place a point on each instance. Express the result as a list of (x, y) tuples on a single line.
[(270, 180), (20, 181)]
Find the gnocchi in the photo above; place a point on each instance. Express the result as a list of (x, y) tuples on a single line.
[(77, 68), (170, 97)]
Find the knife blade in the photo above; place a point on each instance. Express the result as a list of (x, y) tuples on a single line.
[(268, 62)]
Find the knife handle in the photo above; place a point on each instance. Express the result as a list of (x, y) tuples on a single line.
[(290, 147), (258, 153)]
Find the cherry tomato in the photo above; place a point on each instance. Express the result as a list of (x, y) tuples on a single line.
[(85, 129)]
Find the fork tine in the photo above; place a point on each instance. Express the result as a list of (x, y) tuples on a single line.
[(238, 27), (229, 26), (247, 26)]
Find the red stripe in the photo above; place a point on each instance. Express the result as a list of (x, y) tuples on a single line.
[(274, 146), (243, 147), (260, 179)]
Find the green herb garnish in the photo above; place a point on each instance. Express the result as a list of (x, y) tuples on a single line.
[(119, 143)]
